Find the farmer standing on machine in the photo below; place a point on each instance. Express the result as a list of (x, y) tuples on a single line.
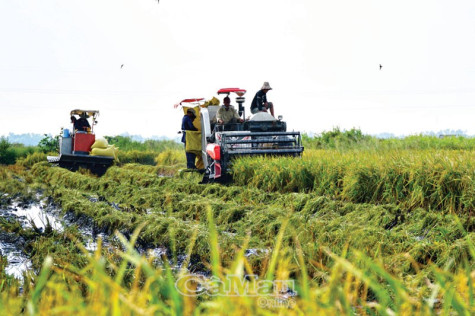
[(187, 125)]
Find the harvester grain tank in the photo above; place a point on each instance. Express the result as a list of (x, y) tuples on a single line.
[(75, 146)]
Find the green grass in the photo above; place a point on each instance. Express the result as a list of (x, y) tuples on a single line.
[(130, 151), (10, 153), (440, 180), (349, 284), (380, 231), (127, 144), (354, 139)]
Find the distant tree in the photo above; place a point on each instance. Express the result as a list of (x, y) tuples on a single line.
[(337, 138), (7, 154), (49, 143)]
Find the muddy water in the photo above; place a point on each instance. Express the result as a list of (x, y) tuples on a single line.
[(18, 261), (41, 216), (37, 215)]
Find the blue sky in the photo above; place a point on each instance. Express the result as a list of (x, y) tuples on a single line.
[(321, 57)]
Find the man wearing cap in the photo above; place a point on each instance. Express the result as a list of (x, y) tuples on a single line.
[(227, 113), (259, 103), (187, 125)]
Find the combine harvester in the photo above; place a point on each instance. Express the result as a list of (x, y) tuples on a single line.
[(260, 134), (75, 148)]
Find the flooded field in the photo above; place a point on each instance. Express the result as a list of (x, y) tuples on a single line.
[(133, 232), (42, 216)]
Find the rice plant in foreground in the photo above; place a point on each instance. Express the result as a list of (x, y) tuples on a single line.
[(320, 254), (134, 285)]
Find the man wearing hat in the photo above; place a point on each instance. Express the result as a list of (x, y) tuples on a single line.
[(187, 125), (80, 124), (259, 103)]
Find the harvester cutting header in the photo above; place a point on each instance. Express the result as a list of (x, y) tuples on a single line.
[(223, 133)]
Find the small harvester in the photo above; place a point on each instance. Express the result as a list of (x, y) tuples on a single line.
[(75, 146), (258, 134)]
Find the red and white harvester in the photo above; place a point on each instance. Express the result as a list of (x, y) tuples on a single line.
[(259, 134)]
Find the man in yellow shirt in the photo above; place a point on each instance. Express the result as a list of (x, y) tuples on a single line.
[(227, 113)]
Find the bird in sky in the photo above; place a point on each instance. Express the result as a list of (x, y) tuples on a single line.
[(380, 66), (121, 66)]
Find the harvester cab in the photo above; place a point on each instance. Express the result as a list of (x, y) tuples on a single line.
[(259, 134), (84, 116), (75, 145), (83, 132)]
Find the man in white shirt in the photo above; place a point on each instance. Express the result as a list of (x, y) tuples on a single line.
[(227, 113)]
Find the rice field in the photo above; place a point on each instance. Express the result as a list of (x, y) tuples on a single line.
[(385, 231)]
